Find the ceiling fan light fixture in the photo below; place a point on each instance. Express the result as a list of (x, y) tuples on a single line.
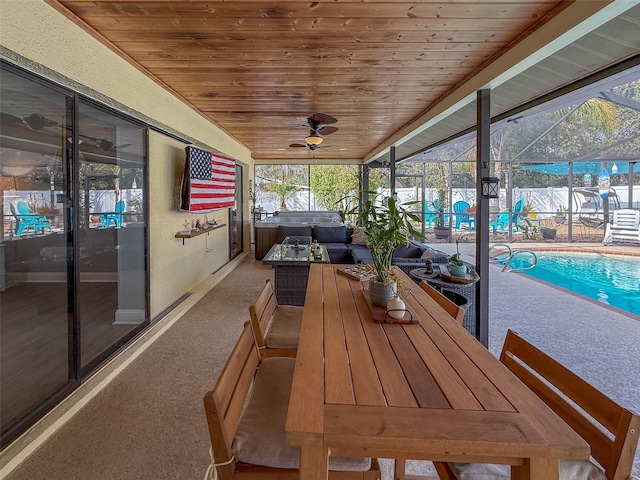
[(313, 140)]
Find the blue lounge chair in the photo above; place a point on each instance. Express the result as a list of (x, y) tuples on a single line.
[(459, 210), (28, 220), (502, 219), (431, 214), (115, 216)]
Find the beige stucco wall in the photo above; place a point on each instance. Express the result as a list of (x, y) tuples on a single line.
[(40, 39)]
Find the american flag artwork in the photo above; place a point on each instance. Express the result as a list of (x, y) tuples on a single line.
[(209, 181)]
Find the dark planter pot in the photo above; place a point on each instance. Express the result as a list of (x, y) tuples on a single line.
[(548, 233), (441, 232), (380, 294)]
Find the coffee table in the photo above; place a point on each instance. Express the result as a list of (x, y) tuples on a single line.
[(291, 269)]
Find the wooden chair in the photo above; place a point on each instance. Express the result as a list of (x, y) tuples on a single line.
[(451, 308), (613, 449), (246, 413), (276, 328)]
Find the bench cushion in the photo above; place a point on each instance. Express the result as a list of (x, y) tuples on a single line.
[(569, 470), (260, 436), (284, 329)]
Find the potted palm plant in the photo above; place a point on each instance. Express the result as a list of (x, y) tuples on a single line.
[(386, 225)]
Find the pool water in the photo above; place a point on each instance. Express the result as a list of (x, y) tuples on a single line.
[(612, 280)]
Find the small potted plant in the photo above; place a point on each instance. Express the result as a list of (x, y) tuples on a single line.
[(561, 215), (386, 225), (457, 267)]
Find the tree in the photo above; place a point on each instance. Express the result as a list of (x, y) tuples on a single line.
[(332, 185)]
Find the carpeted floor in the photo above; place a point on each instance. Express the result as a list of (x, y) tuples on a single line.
[(149, 423)]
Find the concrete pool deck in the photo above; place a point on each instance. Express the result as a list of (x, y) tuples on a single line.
[(596, 342)]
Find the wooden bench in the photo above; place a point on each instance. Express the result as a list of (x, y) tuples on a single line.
[(625, 227), (276, 328), (246, 413), (613, 449)]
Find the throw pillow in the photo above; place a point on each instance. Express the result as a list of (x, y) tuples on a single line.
[(434, 255), (359, 237)]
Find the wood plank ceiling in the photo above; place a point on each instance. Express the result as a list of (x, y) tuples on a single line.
[(259, 69)]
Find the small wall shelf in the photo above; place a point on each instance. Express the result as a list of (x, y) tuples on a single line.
[(195, 233)]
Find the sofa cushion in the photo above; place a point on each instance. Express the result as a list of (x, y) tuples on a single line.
[(293, 231), (360, 254), (260, 437), (330, 234), (407, 251), (336, 247)]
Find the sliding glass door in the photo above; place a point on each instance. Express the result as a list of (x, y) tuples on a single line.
[(111, 242), (73, 255), (36, 361)]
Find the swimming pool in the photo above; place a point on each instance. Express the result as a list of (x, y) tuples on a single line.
[(613, 280)]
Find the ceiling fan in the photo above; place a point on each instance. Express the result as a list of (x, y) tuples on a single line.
[(36, 121), (317, 127), (104, 144)]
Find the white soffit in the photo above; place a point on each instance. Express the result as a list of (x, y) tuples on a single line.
[(601, 36)]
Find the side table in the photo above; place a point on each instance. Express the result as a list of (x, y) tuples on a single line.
[(291, 268), (468, 290)]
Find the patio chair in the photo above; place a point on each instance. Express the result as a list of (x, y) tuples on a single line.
[(459, 210), (610, 429), (276, 328), (502, 218), (27, 219), (451, 308), (625, 227), (116, 216), (430, 215), (246, 414)]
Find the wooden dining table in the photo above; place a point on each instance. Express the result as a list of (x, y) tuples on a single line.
[(424, 390)]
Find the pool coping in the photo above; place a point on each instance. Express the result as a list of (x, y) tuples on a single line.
[(614, 250), (627, 250)]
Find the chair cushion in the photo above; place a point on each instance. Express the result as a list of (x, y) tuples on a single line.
[(284, 328), (569, 470), (260, 436), (330, 234)]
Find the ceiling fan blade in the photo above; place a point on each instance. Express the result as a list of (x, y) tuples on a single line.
[(36, 121), (297, 145), (322, 118), (328, 130)]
